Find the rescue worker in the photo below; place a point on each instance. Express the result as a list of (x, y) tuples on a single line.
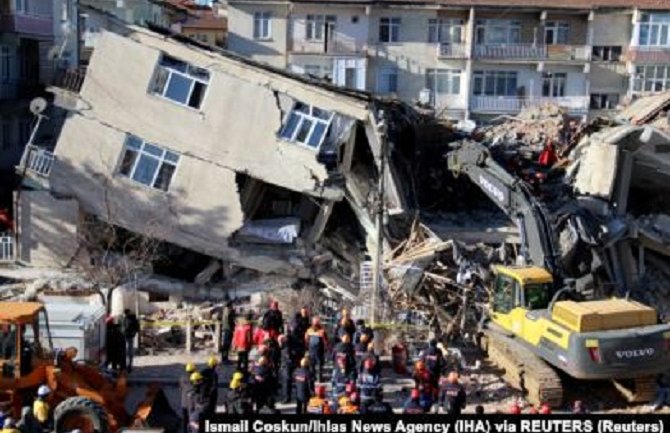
[(363, 330), (296, 335), (288, 364), (115, 346), (413, 405), (434, 360), (264, 385), (27, 423), (227, 327), (195, 402), (304, 386), (130, 327), (360, 348), (368, 382), (210, 386), (238, 400), (345, 325), (185, 387), (8, 426), (345, 350), (274, 353), (318, 405), (341, 377), (317, 344), (349, 405), (370, 354), (378, 406), (424, 382), (242, 341), (452, 394), (273, 320), (41, 411)]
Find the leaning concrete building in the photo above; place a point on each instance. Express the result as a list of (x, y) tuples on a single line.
[(245, 163)]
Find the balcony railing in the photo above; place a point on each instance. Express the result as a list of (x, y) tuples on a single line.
[(450, 50), (511, 51), (7, 250), (512, 104), (337, 44), (648, 54), (569, 52), (37, 160), (38, 25), (70, 79)]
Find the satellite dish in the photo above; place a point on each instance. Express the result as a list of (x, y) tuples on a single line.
[(38, 105)]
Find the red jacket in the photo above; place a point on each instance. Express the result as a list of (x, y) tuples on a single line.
[(243, 337)]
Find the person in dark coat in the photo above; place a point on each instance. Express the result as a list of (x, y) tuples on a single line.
[(264, 385), (185, 387), (288, 365), (238, 398), (345, 350), (371, 355), (298, 327), (195, 403), (317, 344), (378, 406), (361, 330), (210, 386), (273, 320), (452, 394), (130, 327), (341, 377), (116, 347), (434, 360), (413, 405), (345, 325), (304, 386), (227, 327)]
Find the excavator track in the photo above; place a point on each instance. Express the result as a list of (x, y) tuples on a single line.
[(524, 370), (638, 390)]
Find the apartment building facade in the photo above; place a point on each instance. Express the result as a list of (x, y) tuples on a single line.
[(466, 58)]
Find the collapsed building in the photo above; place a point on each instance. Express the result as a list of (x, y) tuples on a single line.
[(252, 169)]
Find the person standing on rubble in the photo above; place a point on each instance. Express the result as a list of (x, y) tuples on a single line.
[(227, 327), (345, 325), (452, 394), (130, 326), (210, 386), (317, 344), (273, 320), (185, 387), (243, 341), (304, 386)]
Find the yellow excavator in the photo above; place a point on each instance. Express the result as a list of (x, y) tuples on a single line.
[(532, 330)]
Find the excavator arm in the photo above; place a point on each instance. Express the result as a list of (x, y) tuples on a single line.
[(514, 198)]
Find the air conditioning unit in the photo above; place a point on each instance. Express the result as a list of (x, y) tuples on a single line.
[(425, 97)]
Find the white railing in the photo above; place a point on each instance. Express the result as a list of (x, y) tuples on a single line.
[(38, 160), (6, 248), (452, 50), (337, 44), (511, 51), (511, 104)]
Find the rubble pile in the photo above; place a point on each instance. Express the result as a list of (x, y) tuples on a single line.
[(166, 328)]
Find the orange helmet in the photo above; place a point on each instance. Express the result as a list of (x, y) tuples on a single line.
[(320, 391)]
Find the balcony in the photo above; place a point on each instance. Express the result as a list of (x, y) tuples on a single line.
[(569, 53), (512, 104), (70, 79), (448, 50), (37, 25), (7, 248), (37, 161), (648, 55), (337, 44)]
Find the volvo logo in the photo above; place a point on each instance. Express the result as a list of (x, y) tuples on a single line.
[(491, 188), (635, 353)]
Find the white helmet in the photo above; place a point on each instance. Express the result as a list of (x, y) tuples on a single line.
[(9, 422), (43, 391)]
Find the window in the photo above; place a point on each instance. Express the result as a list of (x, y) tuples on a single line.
[(607, 53), (148, 163), (553, 84), (315, 27), (444, 81), (537, 295), (180, 82), (262, 26), (604, 101), (389, 29), (654, 30), (445, 31), (495, 83), (387, 80), (21, 6), (556, 33), (506, 290), (307, 125), (650, 78), (497, 32)]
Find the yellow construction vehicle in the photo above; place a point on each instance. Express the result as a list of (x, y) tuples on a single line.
[(81, 396), (533, 331)]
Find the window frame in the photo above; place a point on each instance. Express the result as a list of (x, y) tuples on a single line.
[(140, 151), (262, 21), (649, 82), (172, 71), (452, 78), (605, 101), (440, 30), (554, 84), (556, 28), (305, 116), (392, 25), (606, 53), (654, 26), (511, 29), (494, 76), (316, 26)]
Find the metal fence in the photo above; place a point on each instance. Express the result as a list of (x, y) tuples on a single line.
[(38, 160)]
